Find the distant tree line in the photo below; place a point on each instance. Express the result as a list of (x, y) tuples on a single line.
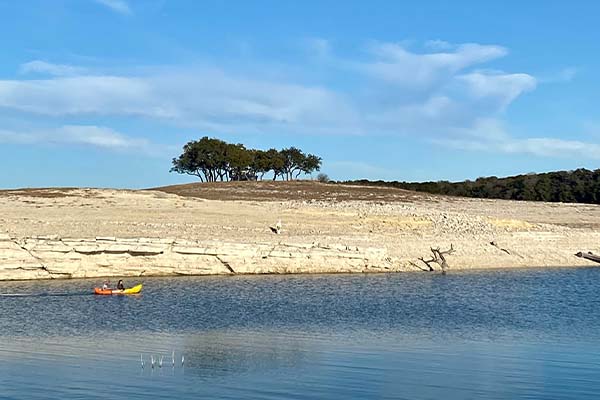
[(212, 160), (579, 186)]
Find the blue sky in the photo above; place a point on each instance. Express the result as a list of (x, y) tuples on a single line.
[(106, 92)]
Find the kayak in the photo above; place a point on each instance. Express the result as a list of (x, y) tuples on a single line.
[(132, 290)]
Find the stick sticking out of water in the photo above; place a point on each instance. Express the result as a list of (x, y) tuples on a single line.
[(173, 358), (182, 360), (142, 360), (152, 360), (160, 362)]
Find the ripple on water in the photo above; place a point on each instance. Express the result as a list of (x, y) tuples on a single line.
[(495, 334)]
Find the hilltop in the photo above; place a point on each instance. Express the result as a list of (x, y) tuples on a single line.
[(290, 190)]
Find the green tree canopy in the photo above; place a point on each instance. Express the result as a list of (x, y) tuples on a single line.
[(212, 159), (579, 186)]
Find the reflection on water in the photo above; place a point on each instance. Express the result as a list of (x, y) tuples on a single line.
[(498, 335), (214, 354)]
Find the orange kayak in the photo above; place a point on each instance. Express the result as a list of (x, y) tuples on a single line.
[(132, 290)]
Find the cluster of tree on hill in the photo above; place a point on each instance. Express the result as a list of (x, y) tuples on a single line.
[(579, 186), (212, 160)]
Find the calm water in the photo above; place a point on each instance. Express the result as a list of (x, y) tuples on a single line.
[(526, 334)]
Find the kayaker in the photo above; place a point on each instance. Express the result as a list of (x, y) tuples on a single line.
[(120, 285), (105, 285)]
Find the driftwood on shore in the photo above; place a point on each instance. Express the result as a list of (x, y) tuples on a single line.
[(438, 258), (589, 256)]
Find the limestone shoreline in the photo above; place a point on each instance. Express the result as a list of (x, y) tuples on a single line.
[(52, 257), (91, 233)]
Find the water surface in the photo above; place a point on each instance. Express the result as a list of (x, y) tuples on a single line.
[(526, 334)]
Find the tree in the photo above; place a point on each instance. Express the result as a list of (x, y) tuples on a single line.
[(296, 162), (192, 161), (580, 186), (239, 162), (293, 161), (310, 164), (323, 178), (204, 158), (212, 159), (276, 163), (261, 162)]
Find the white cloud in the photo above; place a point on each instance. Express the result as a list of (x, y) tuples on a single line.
[(439, 95), (498, 87), (552, 147), (212, 99), (119, 6), (492, 136), (541, 147), (86, 135), (98, 137), (78, 95), (42, 67), (200, 98), (399, 66)]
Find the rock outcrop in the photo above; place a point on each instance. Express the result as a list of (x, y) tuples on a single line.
[(52, 257)]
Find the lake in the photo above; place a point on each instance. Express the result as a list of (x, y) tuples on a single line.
[(518, 334)]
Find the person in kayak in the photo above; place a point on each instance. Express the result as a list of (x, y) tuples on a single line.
[(120, 285), (106, 285)]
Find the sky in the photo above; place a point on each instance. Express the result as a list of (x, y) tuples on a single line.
[(104, 93)]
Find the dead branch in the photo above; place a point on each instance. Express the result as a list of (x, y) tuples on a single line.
[(438, 258), (589, 256), (428, 263), (509, 252), (417, 266), (498, 247)]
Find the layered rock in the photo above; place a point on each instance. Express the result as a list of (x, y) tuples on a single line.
[(50, 257)]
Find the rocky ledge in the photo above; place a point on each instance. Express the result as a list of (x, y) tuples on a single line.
[(52, 257)]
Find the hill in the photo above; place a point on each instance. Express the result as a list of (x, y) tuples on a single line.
[(289, 190)]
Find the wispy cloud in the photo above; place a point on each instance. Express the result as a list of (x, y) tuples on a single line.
[(438, 44), (552, 147), (440, 94), (566, 74), (491, 136), (446, 96), (201, 98), (542, 147), (43, 67), (119, 6), (397, 65), (85, 135), (498, 87)]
